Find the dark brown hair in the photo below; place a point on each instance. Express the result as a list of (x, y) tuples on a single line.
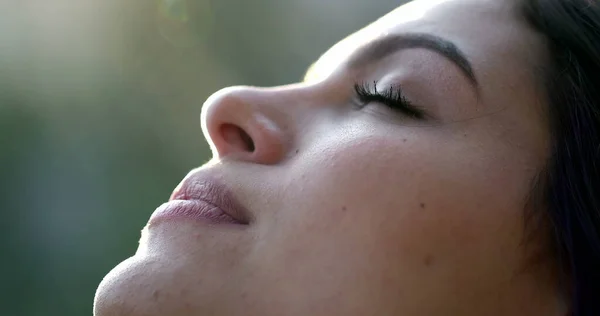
[(571, 180)]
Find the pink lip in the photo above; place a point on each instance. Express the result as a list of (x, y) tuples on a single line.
[(204, 199)]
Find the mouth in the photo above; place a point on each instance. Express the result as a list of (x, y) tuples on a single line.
[(202, 198)]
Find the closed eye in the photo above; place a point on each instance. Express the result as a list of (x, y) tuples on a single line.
[(391, 97)]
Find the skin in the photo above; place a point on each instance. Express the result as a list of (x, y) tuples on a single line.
[(368, 211)]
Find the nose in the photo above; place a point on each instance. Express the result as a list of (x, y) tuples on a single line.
[(240, 123)]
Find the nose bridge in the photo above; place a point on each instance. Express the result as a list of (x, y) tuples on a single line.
[(248, 123)]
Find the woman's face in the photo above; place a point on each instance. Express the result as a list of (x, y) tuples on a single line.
[(367, 209)]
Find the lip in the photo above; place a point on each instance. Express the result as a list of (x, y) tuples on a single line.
[(203, 198)]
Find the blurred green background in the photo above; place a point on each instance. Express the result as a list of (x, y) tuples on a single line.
[(99, 120)]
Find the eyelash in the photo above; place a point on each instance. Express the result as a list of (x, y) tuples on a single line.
[(392, 97)]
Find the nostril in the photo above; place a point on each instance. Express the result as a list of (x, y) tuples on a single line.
[(247, 140), (237, 137)]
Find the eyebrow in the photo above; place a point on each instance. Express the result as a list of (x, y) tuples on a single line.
[(388, 45)]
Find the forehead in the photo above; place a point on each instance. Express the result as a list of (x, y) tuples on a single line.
[(491, 33)]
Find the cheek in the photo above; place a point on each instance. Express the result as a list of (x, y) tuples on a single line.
[(394, 184), (415, 202)]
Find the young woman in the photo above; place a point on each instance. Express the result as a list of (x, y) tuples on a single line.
[(444, 160)]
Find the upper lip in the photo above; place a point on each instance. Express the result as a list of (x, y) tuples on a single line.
[(200, 185)]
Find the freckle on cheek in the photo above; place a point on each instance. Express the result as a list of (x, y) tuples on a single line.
[(155, 295), (428, 260), (344, 208), (422, 205)]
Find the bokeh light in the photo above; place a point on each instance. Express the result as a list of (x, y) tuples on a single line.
[(185, 23)]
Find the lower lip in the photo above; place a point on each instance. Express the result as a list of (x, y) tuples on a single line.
[(197, 210)]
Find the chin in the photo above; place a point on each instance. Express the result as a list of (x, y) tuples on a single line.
[(139, 286), (123, 289)]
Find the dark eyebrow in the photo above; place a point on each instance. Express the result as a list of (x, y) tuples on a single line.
[(388, 45)]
